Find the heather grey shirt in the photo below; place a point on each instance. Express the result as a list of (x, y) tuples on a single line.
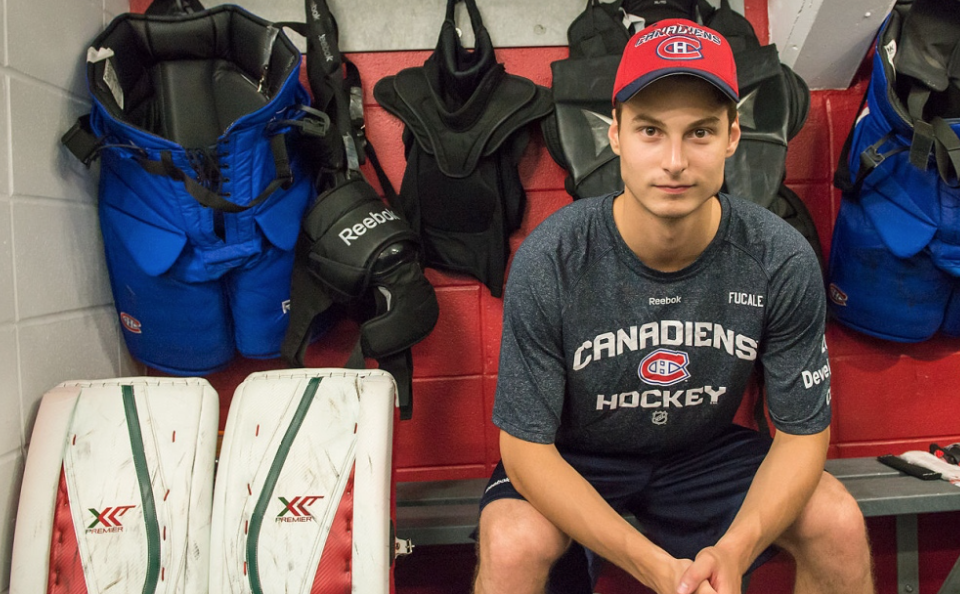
[(602, 353)]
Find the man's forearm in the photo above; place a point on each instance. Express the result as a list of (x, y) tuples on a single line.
[(565, 498), (782, 486)]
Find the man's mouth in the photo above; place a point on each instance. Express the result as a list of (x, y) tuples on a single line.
[(673, 188)]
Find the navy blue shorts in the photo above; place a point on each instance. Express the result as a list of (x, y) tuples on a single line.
[(683, 502)]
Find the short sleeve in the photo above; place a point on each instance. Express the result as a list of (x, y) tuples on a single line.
[(794, 349), (531, 378)]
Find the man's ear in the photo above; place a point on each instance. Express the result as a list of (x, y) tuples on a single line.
[(734, 137), (613, 134)]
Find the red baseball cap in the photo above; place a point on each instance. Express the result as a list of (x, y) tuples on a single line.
[(676, 46)]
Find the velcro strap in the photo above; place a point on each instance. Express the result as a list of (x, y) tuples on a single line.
[(916, 101), (947, 151), (314, 123), (870, 159), (922, 144), (81, 141), (400, 366)]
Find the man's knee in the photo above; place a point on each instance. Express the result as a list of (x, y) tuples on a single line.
[(830, 516), (515, 537), (829, 543)]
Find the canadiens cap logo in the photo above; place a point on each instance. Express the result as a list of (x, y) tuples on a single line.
[(837, 296), (679, 47), (130, 323), (664, 367)]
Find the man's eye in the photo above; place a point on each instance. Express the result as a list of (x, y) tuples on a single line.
[(649, 131), (701, 133)]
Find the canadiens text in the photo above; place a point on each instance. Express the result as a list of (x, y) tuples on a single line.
[(664, 333), (678, 30)]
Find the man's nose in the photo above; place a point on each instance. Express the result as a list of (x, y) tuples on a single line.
[(674, 157)]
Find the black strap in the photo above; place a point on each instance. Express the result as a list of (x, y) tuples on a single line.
[(211, 199), (81, 141), (921, 145), (388, 190), (326, 77), (400, 366), (173, 7), (871, 158), (308, 299), (936, 136), (353, 89), (314, 123), (841, 177), (947, 151), (475, 21), (339, 95)]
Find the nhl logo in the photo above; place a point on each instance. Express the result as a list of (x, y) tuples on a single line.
[(659, 417)]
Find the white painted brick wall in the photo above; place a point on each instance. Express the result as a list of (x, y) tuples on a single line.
[(11, 424), (11, 471), (7, 307), (56, 318), (376, 25), (59, 258)]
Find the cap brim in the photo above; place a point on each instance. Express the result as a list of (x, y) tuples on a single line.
[(636, 86)]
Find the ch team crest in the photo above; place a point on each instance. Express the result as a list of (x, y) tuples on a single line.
[(680, 47), (664, 367)]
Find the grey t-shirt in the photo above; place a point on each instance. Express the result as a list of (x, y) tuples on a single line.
[(602, 353)]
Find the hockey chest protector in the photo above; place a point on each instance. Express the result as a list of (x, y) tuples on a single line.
[(200, 199), (465, 123), (895, 257)]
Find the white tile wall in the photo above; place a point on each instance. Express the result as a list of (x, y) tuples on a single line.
[(112, 8), (74, 347), (129, 366), (376, 25), (41, 165), (10, 419), (72, 25), (51, 256), (58, 258), (7, 306), (11, 470), (4, 136)]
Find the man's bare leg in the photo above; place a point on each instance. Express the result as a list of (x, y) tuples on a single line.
[(829, 543), (516, 549)]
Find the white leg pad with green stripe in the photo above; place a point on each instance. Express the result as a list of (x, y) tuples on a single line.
[(131, 462), (302, 496)]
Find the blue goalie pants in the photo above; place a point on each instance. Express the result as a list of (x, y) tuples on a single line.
[(194, 328), (875, 292)]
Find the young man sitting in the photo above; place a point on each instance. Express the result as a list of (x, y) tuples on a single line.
[(632, 325)]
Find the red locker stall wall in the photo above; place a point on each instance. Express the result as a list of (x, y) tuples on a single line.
[(887, 397)]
